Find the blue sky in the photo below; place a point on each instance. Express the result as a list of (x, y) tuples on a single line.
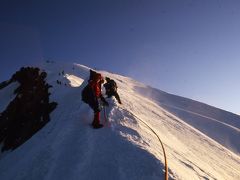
[(189, 48)]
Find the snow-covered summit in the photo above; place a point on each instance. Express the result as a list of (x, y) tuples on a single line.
[(201, 141)]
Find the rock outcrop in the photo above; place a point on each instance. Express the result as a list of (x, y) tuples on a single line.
[(29, 111)]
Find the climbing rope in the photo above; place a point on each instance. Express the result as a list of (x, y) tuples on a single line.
[(164, 153)]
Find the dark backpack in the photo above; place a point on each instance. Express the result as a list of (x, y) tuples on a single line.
[(87, 92), (111, 86), (93, 75)]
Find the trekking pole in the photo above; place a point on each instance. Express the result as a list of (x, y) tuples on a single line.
[(164, 153), (105, 117)]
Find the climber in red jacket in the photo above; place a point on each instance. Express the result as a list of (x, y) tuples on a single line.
[(92, 95)]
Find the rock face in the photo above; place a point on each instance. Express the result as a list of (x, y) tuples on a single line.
[(30, 109)]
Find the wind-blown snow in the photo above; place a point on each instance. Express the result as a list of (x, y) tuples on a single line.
[(222, 126), (68, 148)]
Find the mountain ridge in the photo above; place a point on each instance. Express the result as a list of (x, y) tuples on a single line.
[(67, 147)]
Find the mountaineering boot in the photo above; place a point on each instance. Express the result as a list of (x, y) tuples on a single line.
[(98, 126), (96, 121)]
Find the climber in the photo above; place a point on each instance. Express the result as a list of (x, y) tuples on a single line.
[(92, 95), (111, 89)]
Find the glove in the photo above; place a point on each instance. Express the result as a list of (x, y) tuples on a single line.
[(105, 103)]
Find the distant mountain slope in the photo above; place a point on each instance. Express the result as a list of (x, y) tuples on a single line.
[(222, 126), (193, 106), (68, 148)]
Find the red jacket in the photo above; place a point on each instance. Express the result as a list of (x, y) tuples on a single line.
[(96, 87)]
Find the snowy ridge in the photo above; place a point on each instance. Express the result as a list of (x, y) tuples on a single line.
[(7, 95), (68, 148), (222, 126)]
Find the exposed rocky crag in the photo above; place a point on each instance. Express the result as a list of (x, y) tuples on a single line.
[(30, 109)]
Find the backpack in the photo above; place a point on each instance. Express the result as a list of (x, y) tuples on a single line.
[(87, 92), (112, 86), (93, 75)]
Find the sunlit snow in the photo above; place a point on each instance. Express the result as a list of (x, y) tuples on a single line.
[(68, 148)]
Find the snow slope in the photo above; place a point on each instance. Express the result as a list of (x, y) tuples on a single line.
[(7, 95), (68, 148), (220, 125)]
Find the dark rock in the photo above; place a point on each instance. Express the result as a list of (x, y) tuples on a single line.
[(29, 111), (5, 84)]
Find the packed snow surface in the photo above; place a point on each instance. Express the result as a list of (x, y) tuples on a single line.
[(7, 95), (201, 142)]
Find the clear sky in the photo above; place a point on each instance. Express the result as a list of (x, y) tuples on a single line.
[(190, 47)]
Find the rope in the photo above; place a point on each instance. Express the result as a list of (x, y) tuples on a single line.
[(164, 153)]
